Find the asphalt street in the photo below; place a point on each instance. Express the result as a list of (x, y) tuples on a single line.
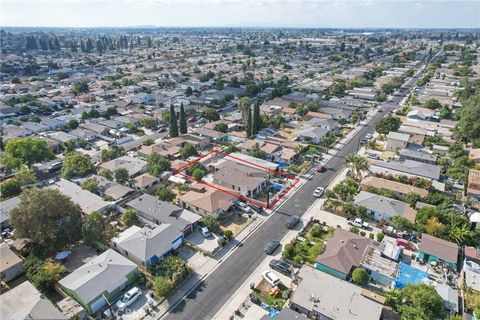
[(208, 298)]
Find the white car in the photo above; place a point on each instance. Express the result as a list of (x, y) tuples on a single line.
[(368, 136), (271, 278), (318, 192), (128, 298), (244, 207)]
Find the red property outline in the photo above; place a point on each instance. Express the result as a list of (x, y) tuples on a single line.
[(295, 179)]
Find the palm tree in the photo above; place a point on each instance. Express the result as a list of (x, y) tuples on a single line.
[(459, 232), (244, 105), (357, 164)]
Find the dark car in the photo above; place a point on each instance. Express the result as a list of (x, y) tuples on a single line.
[(292, 221), (271, 246), (280, 266)]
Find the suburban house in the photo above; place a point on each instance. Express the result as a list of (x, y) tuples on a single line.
[(343, 251), (144, 182), (203, 200), (435, 249), (211, 135), (381, 207), (408, 168), (196, 141), (240, 178), (150, 209), (5, 207), (133, 165), (146, 246), (328, 124), (26, 302), (399, 189), (88, 202), (471, 268), (102, 278), (419, 156), (11, 265), (397, 141), (320, 295), (164, 149), (473, 182), (311, 134)]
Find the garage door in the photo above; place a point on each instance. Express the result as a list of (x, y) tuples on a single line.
[(98, 304)]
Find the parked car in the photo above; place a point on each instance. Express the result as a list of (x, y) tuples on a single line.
[(244, 207), (128, 298), (359, 223), (280, 266), (205, 232), (271, 246), (291, 222), (380, 109), (271, 278), (318, 192), (406, 244), (372, 155), (363, 141), (368, 136), (320, 168), (192, 119)]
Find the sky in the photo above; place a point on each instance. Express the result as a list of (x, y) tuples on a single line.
[(242, 13)]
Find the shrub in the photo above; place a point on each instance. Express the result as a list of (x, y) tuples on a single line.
[(363, 233), (380, 237), (228, 234), (371, 236), (222, 241), (162, 286), (360, 276), (354, 230), (211, 223)]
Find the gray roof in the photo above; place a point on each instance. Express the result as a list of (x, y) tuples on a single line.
[(87, 201), (377, 203), (153, 209), (133, 165), (398, 136), (420, 169), (418, 155), (105, 272), (26, 302), (144, 243), (449, 296), (286, 314), (332, 297), (313, 132)]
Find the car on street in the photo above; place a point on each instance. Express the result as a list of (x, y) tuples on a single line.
[(406, 244), (271, 278), (320, 168), (318, 192), (292, 221), (368, 136), (280, 266), (271, 246), (128, 298), (363, 141), (372, 155), (205, 232), (359, 223)]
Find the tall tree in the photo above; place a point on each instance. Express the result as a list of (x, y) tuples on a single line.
[(256, 119), (173, 122), (183, 120), (244, 105), (26, 150), (47, 217), (248, 128)]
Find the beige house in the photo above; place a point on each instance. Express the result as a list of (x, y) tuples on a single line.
[(396, 140), (203, 200)]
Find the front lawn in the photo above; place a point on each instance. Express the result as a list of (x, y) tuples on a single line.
[(307, 249)]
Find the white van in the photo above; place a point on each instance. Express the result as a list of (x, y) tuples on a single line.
[(271, 278)]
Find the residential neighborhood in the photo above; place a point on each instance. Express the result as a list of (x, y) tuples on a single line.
[(231, 173)]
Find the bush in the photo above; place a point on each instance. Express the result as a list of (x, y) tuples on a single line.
[(228, 234), (316, 231), (165, 194), (354, 230), (211, 223), (222, 241), (363, 233), (380, 237), (371, 236), (162, 287), (129, 218), (360, 276)]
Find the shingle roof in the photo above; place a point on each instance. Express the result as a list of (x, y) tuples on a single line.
[(420, 169), (105, 272), (387, 206), (208, 199), (443, 249)]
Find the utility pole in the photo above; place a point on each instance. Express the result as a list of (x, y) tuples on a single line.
[(268, 189)]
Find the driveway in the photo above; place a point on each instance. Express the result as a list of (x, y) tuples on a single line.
[(198, 240), (136, 310), (193, 257)]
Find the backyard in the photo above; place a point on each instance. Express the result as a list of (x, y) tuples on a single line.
[(306, 249), (265, 293)]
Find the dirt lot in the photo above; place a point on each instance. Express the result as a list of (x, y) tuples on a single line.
[(80, 255), (235, 223)]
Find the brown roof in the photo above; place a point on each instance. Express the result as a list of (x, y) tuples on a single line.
[(472, 252), (248, 144), (473, 179), (392, 185), (344, 250), (289, 110), (163, 149), (232, 173), (288, 154), (437, 247), (319, 115), (177, 164), (145, 180), (269, 148), (207, 198), (118, 191)]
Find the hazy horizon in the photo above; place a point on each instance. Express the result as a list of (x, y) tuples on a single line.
[(339, 14)]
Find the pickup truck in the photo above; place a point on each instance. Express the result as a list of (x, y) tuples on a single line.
[(359, 223)]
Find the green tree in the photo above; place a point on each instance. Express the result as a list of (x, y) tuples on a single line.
[(211, 223), (47, 217), (412, 198), (257, 152), (80, 87), (43, 274), (148, 142), (256, 119), (76, 165), (244, 106), (90, 185), (112, 152), (26, 176), (129, 218), (211, 115), (173, 122), (165, 194), (432, 104), (387, 124), (121, 175), (93, 229), (162, 286), (157, 164), (228, 234), (360, 276), (26, 150), (380, 236), (105, 173), (249, 126), (188, 150), (198, 173), (183, 120), (10, 188), (357, 164), (221, 127), (419, 302)]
